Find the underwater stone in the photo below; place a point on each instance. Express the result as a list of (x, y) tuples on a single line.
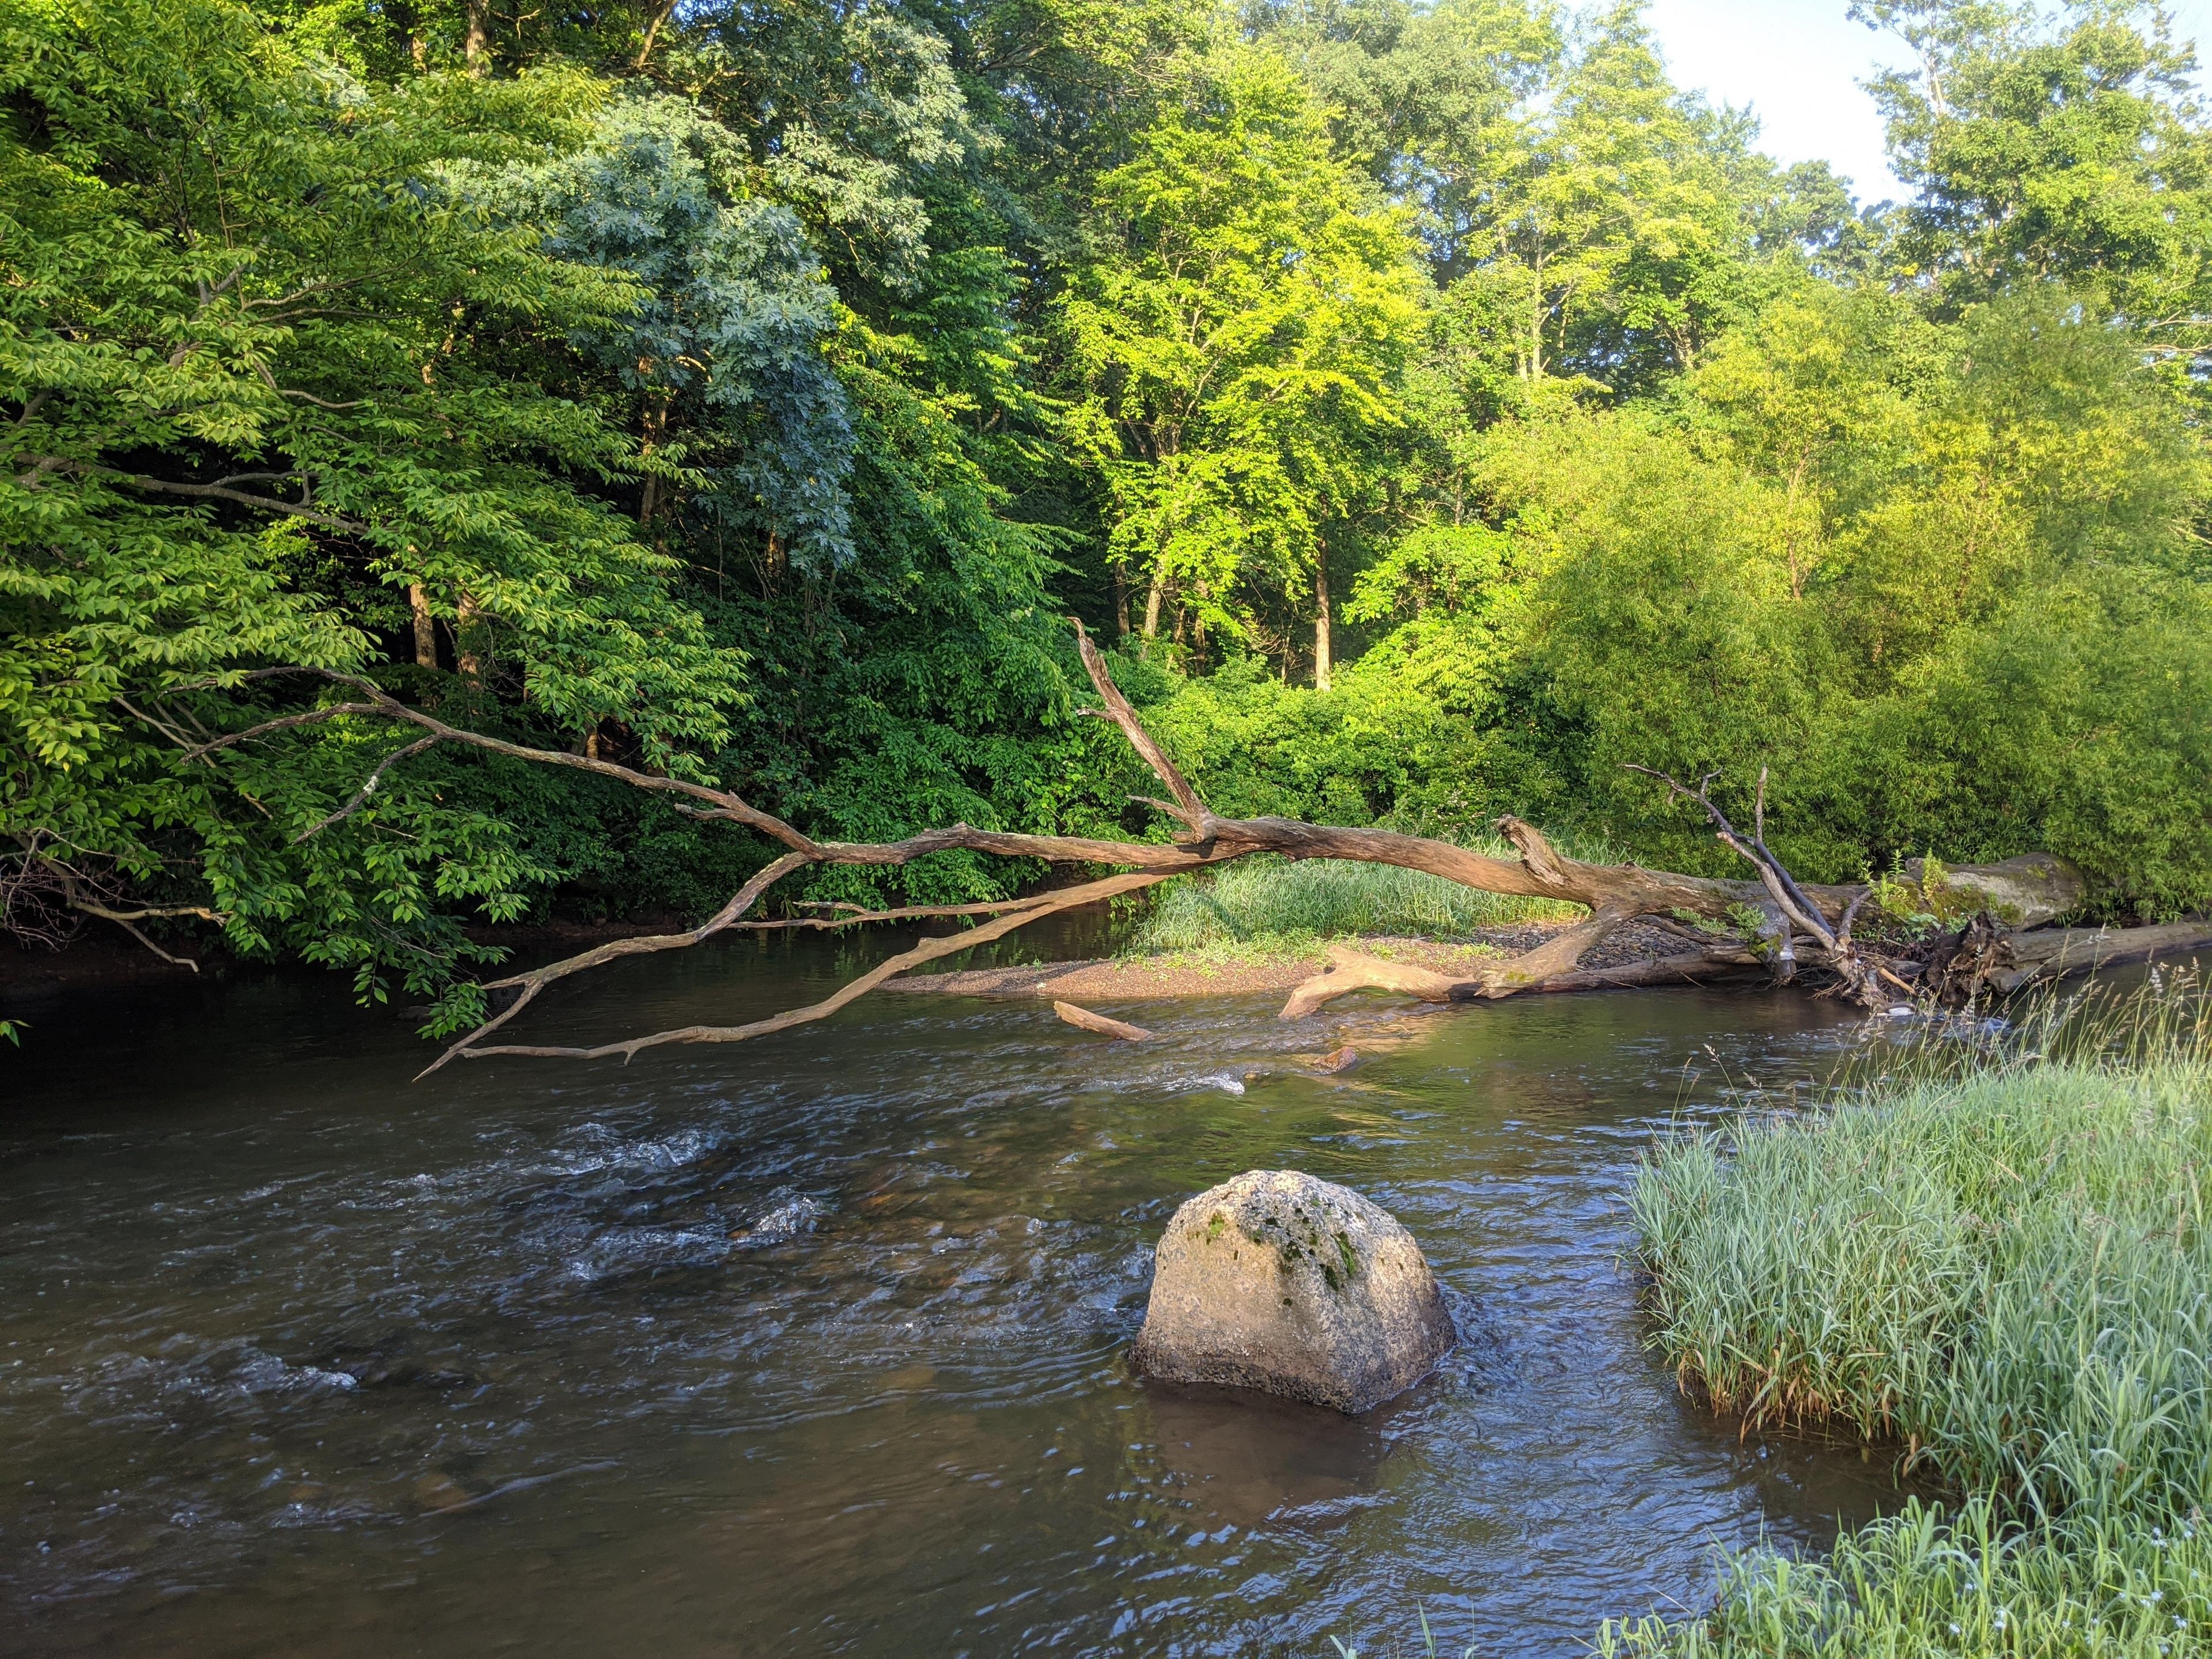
[(1280, 1281)]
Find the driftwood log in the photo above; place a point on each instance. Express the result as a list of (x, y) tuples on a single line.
[(1084, 1019), (1804, 931)]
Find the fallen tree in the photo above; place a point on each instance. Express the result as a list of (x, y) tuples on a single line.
[(1773, 925)]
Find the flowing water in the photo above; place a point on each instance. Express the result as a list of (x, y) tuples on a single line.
[(817, 1346)]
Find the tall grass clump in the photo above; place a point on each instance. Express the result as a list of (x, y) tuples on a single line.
[(1973, 1583), (1266, 900), (2003, 1268)]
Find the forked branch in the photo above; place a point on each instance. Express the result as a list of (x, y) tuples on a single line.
[(1789, 904), (929, 949)]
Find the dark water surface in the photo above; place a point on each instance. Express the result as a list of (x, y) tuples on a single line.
[(817, 1344)]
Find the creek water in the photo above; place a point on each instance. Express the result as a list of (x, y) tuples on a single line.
[(818, 1344)]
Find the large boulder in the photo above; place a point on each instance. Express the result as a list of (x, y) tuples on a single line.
[(1280, 1281), (2026, 891)]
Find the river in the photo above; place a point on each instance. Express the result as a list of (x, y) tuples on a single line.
[(818, 1344)]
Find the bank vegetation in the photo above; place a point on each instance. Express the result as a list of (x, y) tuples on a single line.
[(1996, 1271)]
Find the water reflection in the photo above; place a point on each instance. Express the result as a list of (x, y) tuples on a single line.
[(819, 1345), (1242, 1461)]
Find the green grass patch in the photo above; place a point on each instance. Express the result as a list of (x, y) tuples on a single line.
[(2006, 1271), (1275, 902)]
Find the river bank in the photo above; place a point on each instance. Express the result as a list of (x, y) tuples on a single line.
[(104, 955)]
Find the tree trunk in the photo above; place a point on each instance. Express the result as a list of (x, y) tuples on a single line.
[(468, 634), (1321, 619), (426, 628), (652, 32), (1152, 602), (476, 44), (652, 422)]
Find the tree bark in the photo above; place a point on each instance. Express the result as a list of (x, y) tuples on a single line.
[(660, 14), (476, 43), (426, 627), (2063, 950), (1084, 1019), (468, 639), (1349, 970)]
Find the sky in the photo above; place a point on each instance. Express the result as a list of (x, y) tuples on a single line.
[(1798, 63)]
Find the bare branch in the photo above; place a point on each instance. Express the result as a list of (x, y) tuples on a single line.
[(1781, 886), (726, 805), (306, 717), (278, 302), (1188, 807), (1790, 902), (1851, 914), (927, 951), (1084, 1020), (537, 979), (854, 915), (250, 478), (1806, 917), (166, 728), (368, 789), (1614, 894), (151, 912), (269, 380), (128, 921), (208, 491)]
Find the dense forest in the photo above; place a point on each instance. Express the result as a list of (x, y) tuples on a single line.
[(1434, 408)]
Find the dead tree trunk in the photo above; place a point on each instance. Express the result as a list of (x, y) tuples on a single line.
[(1807, 928)]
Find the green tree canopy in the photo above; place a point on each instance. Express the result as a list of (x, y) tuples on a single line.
[(275, 368), (1237, 343)]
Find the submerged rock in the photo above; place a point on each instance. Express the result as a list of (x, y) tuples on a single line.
[(1280, 1281), (437, 1492), (786, 1222)]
